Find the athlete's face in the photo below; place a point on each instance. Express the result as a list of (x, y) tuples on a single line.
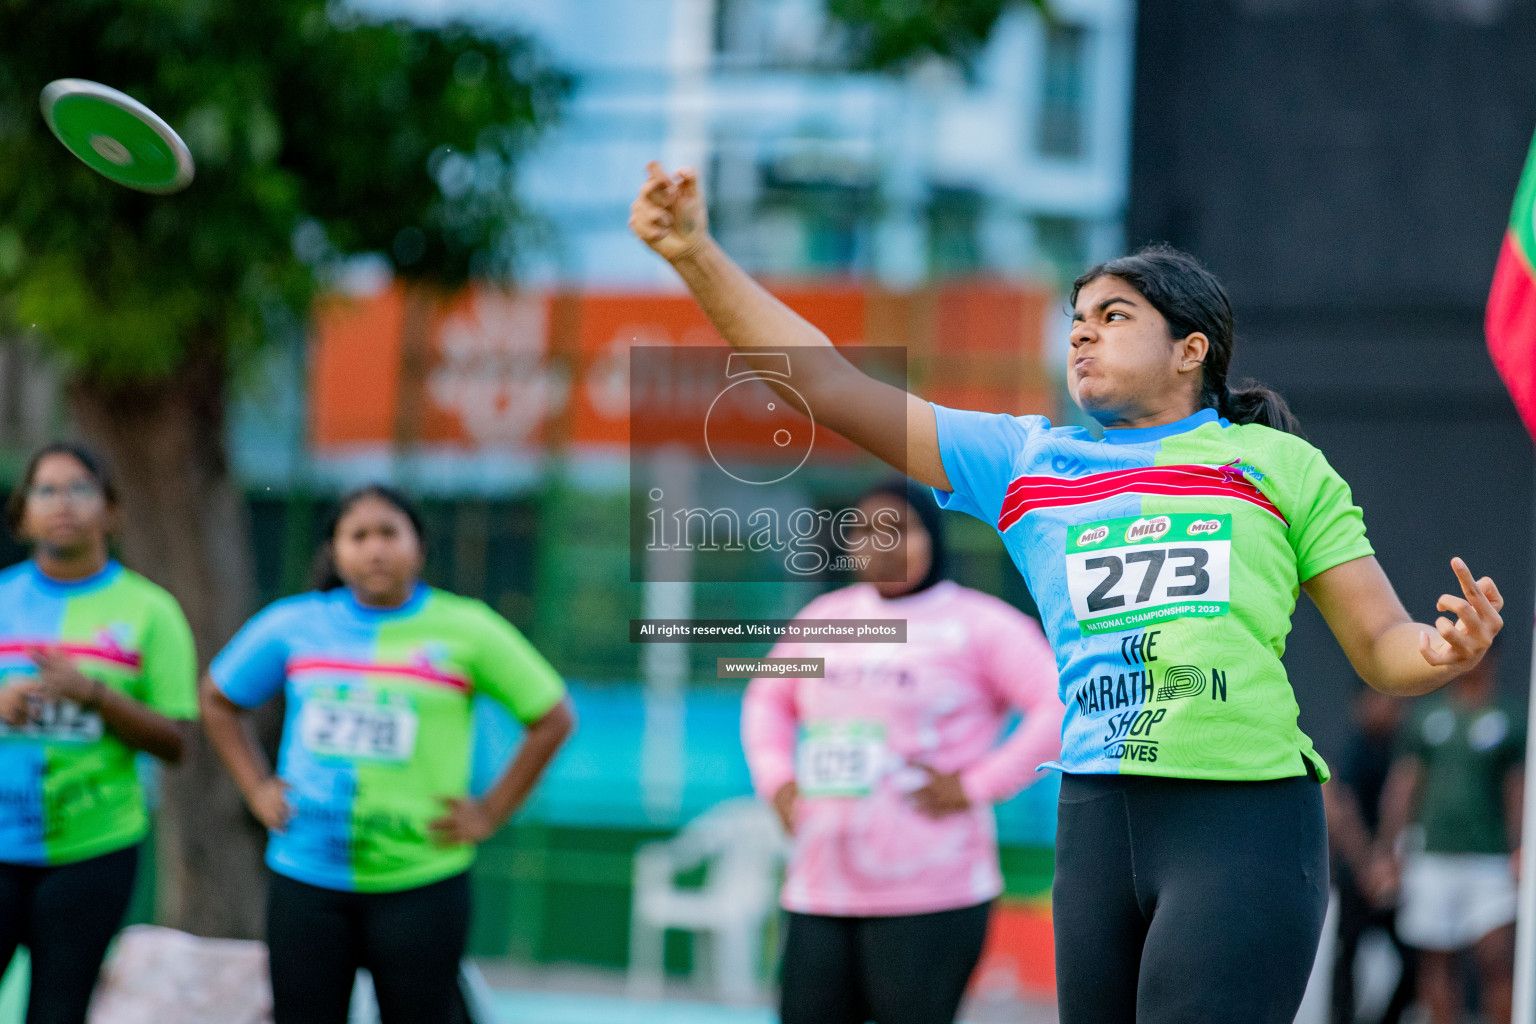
[(903, 567), (377, 552), (66, 511), (1125, 367)]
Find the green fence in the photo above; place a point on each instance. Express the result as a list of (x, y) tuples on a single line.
[(546, 894)]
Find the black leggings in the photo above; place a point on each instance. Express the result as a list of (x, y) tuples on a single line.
[(410, 941), (65, 916), (890, 970), (1183, 902)]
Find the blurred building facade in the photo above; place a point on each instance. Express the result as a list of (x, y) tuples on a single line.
[(1017, 168)]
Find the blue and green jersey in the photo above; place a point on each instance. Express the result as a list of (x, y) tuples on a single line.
[(377, 732), (1166, 563), (68, 786)]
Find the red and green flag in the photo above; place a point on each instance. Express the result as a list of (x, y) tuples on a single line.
[(1511, 319)]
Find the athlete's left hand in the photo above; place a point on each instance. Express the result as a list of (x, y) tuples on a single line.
[(467, 821), (1463, 643), (57, 677), (943, 795)]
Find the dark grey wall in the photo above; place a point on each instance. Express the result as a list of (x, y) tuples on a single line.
[(1347, 167)]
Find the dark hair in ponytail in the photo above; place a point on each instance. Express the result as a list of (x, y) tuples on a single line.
[(323, 574), (1191, 299)]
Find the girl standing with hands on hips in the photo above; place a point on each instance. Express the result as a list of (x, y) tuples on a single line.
[(885, 771), (372, 826), (96, 664), (1166, 558)]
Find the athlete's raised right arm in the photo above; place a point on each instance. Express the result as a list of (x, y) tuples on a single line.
[(669, 215)]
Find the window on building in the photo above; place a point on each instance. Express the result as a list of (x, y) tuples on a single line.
[(1062, 243), (729, 27), (1064, 96), (834, 218), (778, 34), (954, 222)]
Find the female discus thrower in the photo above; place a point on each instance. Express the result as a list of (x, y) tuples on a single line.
[(96, 663), (885, 770), (372, 827), (1191, 863)]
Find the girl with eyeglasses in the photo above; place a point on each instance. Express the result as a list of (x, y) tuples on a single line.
[(96, 664)]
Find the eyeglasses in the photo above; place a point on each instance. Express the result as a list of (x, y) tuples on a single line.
[(77, 493)]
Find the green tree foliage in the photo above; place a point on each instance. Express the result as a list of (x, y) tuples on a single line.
[(888, 34), (316, 133)]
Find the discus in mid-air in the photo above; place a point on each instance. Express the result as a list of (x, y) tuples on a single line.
[(117, 136)]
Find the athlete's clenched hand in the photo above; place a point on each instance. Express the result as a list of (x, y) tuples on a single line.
[(669, 214), (269, 803), (16, 703), (466, 821)]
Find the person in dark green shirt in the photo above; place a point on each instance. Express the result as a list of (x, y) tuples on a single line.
[(1458, 777)]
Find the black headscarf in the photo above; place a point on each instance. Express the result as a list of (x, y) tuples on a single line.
[(920, 499)]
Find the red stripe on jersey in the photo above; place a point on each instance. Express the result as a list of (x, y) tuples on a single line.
[(423, 672), (95, 652), (1028, 493)]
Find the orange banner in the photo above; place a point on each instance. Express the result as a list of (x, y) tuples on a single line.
[(492, 369)]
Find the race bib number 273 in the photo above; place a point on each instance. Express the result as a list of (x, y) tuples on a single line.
[(1140, 570)]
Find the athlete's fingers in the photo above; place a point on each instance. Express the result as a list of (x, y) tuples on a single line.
[(451, 806), (1470, 620), (644, 206), (650, 224), (1437, 655), (1470, 588), (1490, 590), (658, 183), (644, 231), (43, 655), (926, 804), (641, 211), (1456, 606), (1455, 634), (653, 222)]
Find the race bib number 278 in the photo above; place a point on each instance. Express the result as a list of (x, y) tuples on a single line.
[(1140, 570), (358, 730)]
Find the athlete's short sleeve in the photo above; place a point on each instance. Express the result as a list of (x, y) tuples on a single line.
[(168, 682), (1327, 527), (252, 668), (507, 669), (978, 450)]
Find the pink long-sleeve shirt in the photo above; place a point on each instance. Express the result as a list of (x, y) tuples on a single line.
[(853, 741)]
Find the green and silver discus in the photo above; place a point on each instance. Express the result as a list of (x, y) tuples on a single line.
[(117, 136)]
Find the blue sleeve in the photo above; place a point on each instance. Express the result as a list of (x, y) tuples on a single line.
[(978, 450), (252, 667)]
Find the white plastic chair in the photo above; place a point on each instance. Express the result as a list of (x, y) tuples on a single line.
[(740, 845)]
